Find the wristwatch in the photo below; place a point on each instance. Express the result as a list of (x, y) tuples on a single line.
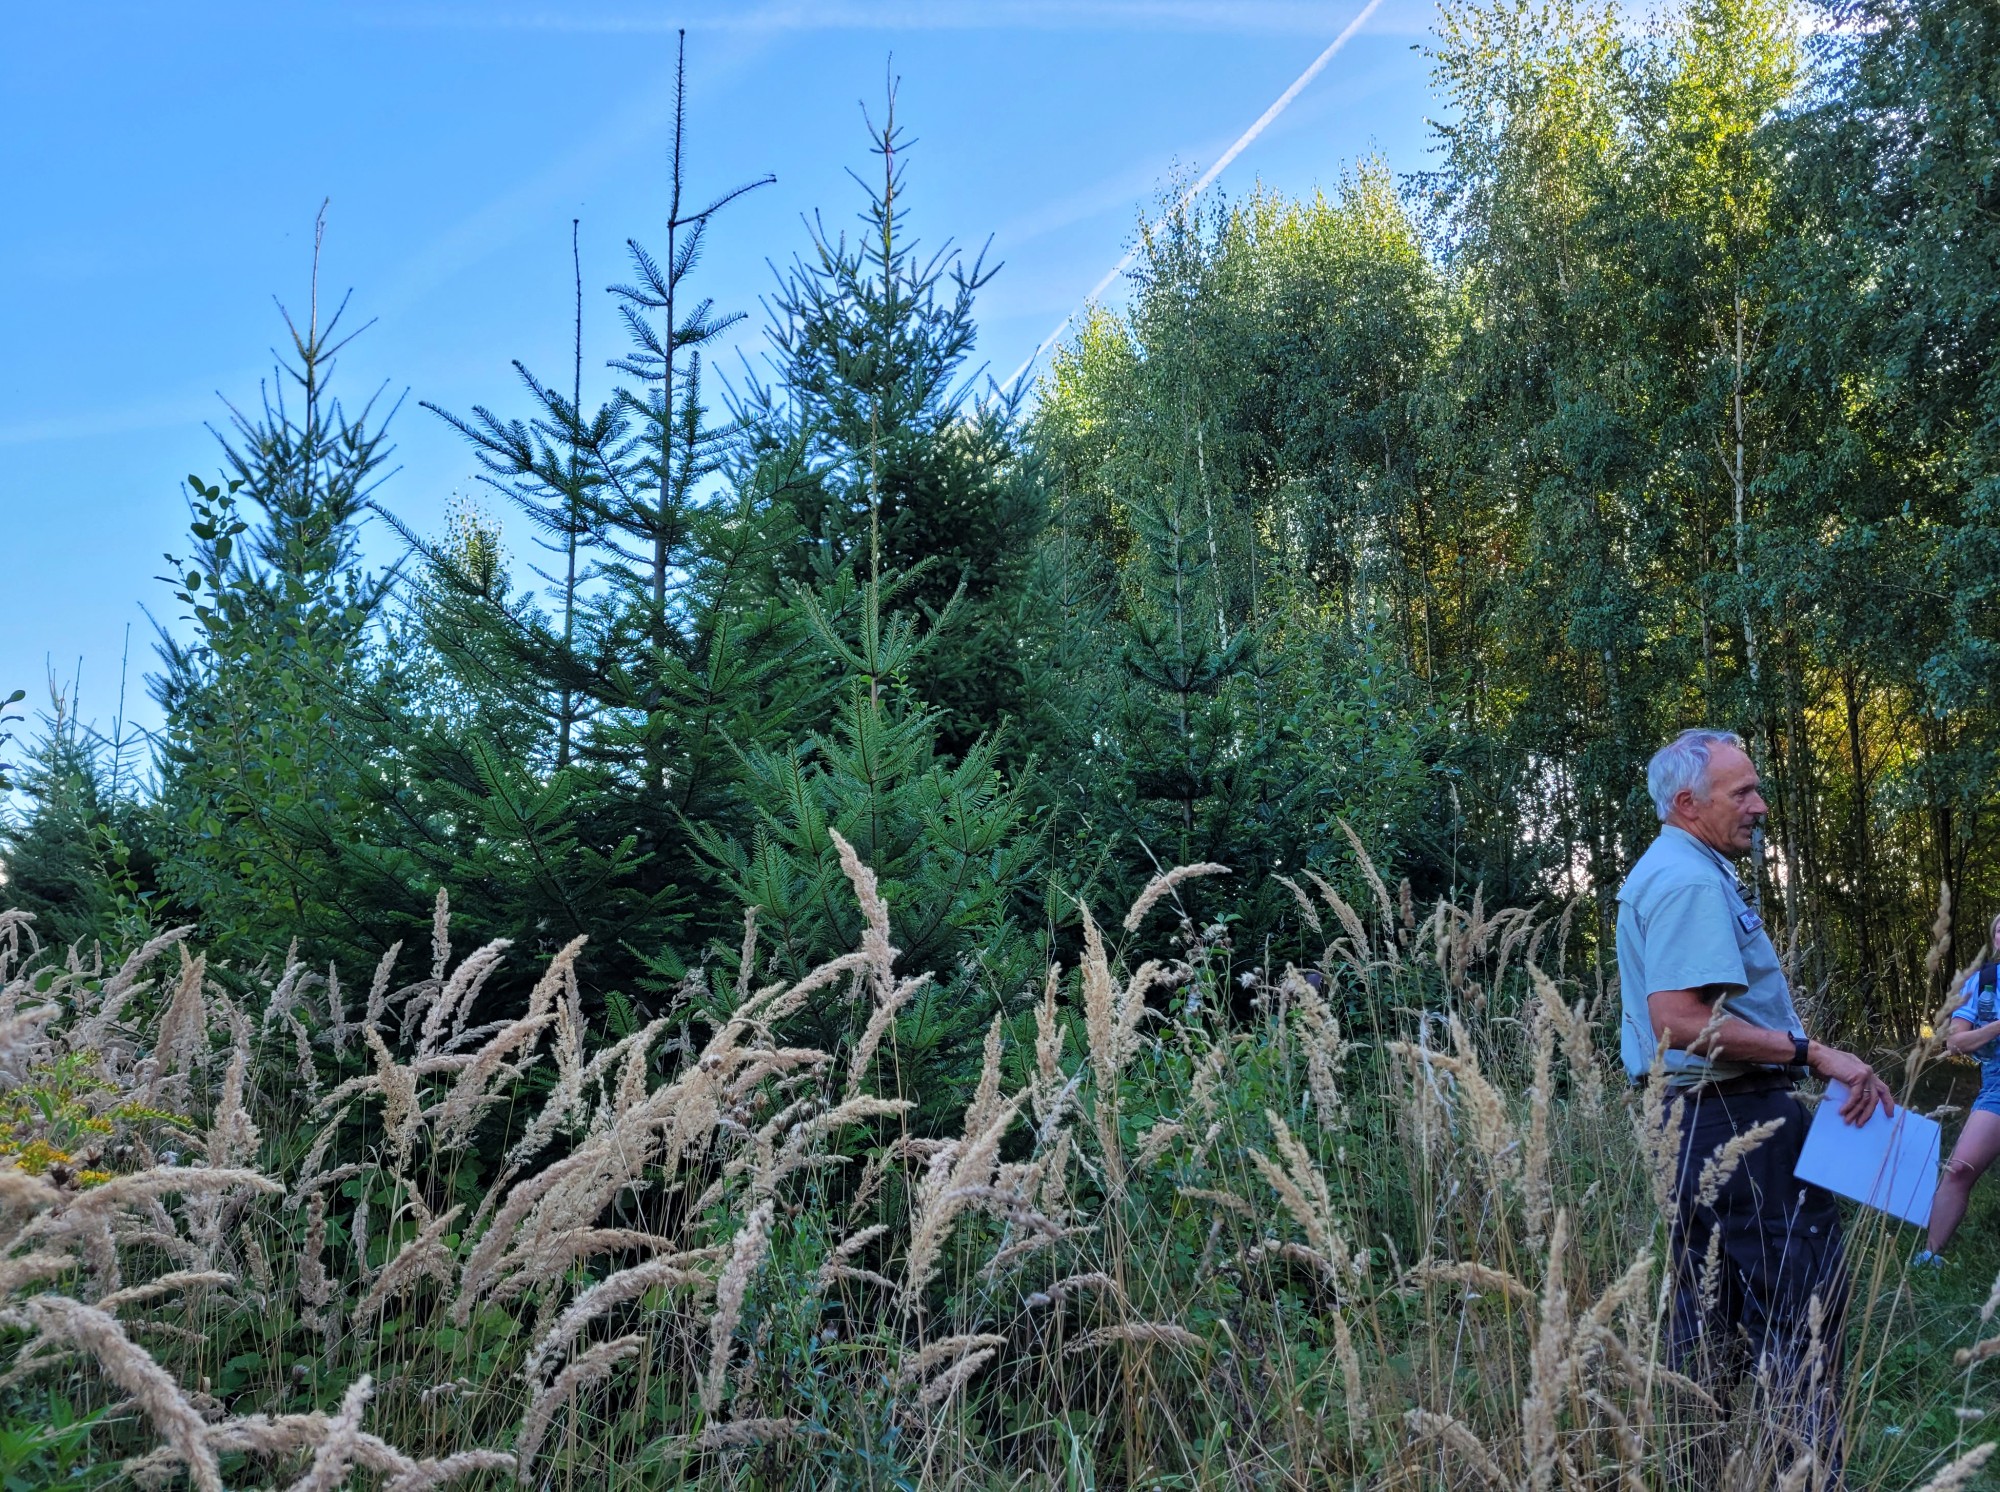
[(1800, 1048)]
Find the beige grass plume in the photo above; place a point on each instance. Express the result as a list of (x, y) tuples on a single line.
[(446, 1014), (401, 1111), (423, 1257), (1659, 1124), (133, 1369), (1473, 1276), (1466, 1449), (1573, 1028), (1537, 1191), (1369, 873), (985, 1102), (15, 923), (21, 1036), (1349, 919), (611, 1291), (95, 1028), (1326, 1051), (25, 1269), (377, 1004), (1155, 1141), (440, 935), (955, 1377), (803, 1142), (1960, 1473), (880, 1019), (334, 1456), (1112, 1013), (1164, 883), (592, 1367), (1152, 1333), (1548, 1364), (1940, 947), (1306, 908), (938, 1354), (469, 1097), (1304, 1193), (956, 1180), (276, 1435), (183, 1030), (1726, 1159), (526, 1237), (745, 1254), (166, 1284), (442, 1471), (881, 953), (738, 1433), (232, 1137), (1354, 1390)]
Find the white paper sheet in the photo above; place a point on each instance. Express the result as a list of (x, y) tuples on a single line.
[(1888, 1164)]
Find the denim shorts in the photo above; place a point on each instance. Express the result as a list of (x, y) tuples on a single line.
[(1988, 1101)]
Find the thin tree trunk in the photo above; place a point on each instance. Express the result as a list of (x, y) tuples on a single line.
[(1739, 486), (575, 515)]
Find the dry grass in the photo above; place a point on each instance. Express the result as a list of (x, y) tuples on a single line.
[(1399, 1232)]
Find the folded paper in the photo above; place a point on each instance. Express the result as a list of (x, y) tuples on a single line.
[(1888, 1163)]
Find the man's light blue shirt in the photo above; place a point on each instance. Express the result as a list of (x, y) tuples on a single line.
[(1683, 924)]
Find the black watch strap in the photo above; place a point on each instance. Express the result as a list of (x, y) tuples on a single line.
[(1800, 1048)]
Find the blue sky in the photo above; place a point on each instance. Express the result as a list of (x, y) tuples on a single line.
[(163, 165)]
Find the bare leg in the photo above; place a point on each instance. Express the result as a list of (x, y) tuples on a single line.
[(1978, 1144)]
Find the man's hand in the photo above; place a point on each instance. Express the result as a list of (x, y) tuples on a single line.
[(1864, 1089)]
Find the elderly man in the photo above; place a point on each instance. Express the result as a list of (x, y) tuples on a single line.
[(1700, 979)]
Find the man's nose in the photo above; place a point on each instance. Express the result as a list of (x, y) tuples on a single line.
[(1757, 805)]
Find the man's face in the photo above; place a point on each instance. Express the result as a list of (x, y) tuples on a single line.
[(1724, 817)]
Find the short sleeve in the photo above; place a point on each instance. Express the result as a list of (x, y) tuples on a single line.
[(1969, 993), (1691, 941)]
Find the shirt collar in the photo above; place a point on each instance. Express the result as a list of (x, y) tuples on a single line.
[(1700, 848)]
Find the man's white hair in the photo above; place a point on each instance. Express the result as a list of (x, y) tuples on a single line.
[(1683, 763)]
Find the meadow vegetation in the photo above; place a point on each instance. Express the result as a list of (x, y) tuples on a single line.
[(1397, 1227)]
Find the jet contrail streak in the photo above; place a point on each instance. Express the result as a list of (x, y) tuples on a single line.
[(1243, 142)]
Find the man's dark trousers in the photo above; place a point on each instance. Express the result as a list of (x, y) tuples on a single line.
[(1748, 1267)]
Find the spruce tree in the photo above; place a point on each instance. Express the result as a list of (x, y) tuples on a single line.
[(947, 836), (902, 525), (258, 779), (878, 455), (609, 728), (75, 845)]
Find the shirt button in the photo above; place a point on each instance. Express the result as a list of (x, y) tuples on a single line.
[(1814, 1228)]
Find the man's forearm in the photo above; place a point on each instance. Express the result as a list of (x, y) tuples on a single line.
[(1731, 1040), (1685, 1019)]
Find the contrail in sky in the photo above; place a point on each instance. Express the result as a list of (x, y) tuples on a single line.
[(1243, 141)]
